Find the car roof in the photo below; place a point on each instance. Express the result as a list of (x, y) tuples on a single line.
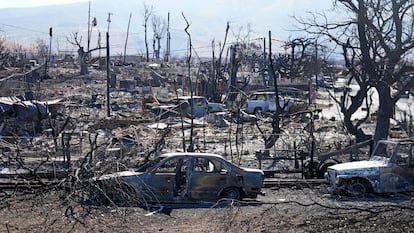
[(189, 97), (263, 93), (191, 154)]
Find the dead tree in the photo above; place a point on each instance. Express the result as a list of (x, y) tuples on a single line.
[(300, 60), (271, 140), (147, 14), (83, 55), (41, 48), (234, 67), (377, 43), (159, 28), (218, 68), (191, 146), (4, 54)]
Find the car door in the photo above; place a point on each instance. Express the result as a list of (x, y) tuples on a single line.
[(403, 167), (167, 179), (271, 101), (208, 177)]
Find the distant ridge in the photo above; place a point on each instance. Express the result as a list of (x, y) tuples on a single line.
[(13, 45)]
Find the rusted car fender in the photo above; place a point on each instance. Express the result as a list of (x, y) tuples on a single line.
[(345, 182)]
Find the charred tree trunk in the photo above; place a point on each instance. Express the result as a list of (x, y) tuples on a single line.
[(158, 47), (234, 66), (83, 57), (271, 140), (385, 111), (147, 15), (146, 44), (217, 69), (356, 101)]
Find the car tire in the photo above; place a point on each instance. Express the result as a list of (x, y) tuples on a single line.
[(358, 188), (321, 169), (231, 193)]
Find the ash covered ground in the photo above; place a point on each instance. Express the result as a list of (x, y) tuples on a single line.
[(81, 131)]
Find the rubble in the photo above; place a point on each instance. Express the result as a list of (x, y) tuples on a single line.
[(79, 139)]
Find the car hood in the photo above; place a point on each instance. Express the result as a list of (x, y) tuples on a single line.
[(252, 170), (119, 174), (367, 164)]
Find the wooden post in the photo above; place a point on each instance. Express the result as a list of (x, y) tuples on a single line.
[(108, 78), (296, 155), (126, 40), (168, 52)]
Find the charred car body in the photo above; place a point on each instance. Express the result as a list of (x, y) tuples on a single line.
[(181, 177), (189, 106), (389, 169)]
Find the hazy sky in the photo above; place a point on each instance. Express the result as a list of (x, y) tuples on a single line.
[(208, 18), (30, 3)]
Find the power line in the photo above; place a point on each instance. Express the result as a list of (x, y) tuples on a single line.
[(26, 29)]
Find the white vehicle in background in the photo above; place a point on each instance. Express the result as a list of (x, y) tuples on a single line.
[(264, 102)]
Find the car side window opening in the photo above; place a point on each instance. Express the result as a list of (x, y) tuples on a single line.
[(170, 166), (209, 166), (404, 156), (384, 152), (272, 97), (203, 165), (260, 97), (199, 102), (181, 176), (223, 168)]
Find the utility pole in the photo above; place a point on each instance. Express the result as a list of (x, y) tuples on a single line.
[(108, 71), (50, 42), (89, 26), (316, 63), (168, 52), (264, 63), (126, 40), (99, 46), (50, 49)]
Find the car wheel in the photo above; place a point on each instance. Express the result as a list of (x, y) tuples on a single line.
[(258, 113), (321, 170), (123, 195), (231, 193), (357, 189)]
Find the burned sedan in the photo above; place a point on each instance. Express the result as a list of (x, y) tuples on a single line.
[(181, 177), (389, 169)]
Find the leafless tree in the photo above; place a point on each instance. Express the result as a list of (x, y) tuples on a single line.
[(377, 41), (147, 14), (218, 69), (159, 27), (300, 58), (83, 55), (243, 34), (190, 49), (4, 53), (41, 48)]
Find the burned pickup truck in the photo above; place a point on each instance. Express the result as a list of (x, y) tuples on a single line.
[(181, 177), (389, 169)]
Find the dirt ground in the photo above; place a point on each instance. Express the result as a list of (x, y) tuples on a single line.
[(297, 209), (281, 210)]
